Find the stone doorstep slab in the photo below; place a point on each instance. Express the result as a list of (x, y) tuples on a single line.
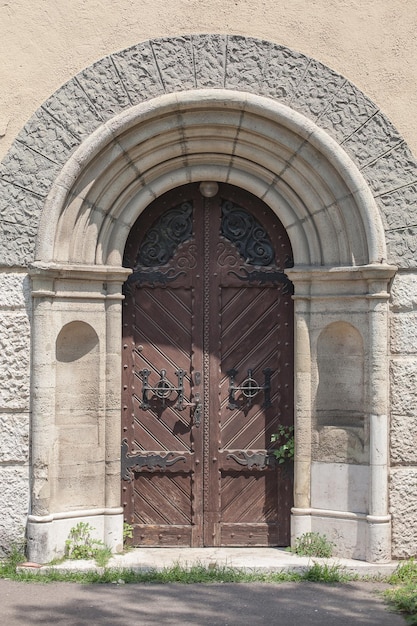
[(248, 559)]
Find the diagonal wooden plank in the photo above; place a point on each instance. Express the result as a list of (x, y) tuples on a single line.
[(161, 499)]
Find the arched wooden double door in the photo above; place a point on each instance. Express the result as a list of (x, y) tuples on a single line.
[(207, 372)]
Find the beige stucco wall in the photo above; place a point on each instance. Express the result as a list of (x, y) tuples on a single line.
[(371, 42)]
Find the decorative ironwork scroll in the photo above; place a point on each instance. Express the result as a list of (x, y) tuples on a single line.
[(261, 277), (141, 277), (165, 235), (136, 462), (256, 459), (247, 234)]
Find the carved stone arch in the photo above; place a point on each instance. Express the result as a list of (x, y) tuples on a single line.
[(209, 107), (280, 156)]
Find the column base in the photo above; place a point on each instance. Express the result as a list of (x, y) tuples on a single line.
[(46, 535)]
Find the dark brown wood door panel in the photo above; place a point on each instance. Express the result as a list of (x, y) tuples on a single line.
[(207, 372)]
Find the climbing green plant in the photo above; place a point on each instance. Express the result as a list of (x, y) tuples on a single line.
[(285, 437)]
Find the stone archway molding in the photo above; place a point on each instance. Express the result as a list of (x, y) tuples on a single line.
[(240, 138)]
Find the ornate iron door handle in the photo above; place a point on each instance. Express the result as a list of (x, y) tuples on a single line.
[(196, 407), (163, 389), (249, 388), (198, 410)]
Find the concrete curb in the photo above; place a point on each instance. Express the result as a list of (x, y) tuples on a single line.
[(247, 559)]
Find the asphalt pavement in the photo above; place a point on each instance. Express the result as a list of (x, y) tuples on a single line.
[(244, 604)]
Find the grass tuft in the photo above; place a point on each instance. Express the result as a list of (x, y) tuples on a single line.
[(313, 544), (406, 572), (177, 573), (325, 573), (403, 598)]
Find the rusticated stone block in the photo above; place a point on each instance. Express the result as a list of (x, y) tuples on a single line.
[(395, 169), (104, 88), (14, 360), (402, 247), (14, 440), (44, 135), (14, 500), (348, 110), (374, 138), (138, 71), (403, 437), (27, 169), (71, 107), (282, 72), (174, 56), (404, 292), (19, 218), (403, 329), (403, 505), (245, 61), (19, 206), (14, 291), (317, 89), (209, 59), (17, 244), (403, 386), (398, 208)]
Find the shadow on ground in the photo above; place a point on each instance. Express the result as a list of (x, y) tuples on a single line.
[(306, 604)]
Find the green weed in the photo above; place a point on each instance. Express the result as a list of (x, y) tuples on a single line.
[(406, 572), (313, 544), (127, 532), (403, 598), (325, 573), (16, 555), (175, 574), (80, 545)]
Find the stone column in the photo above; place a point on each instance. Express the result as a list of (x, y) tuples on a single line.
[(379, 519), (301, 518), (113, 528), (42, 410)]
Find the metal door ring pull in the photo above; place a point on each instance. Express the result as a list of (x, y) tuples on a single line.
[(162, 390), (249, 388)]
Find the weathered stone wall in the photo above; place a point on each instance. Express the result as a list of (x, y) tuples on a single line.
[(14, 406)]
